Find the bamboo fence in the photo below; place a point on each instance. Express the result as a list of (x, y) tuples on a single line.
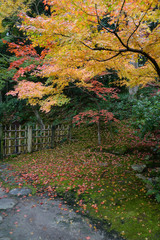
[(24, 138)]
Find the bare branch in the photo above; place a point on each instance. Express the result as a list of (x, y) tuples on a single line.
[(150, 58), (119, 15), (120, 40), (133, 21), (99, 21), (104, 60), (100, 48), (61, 34), (113, 32), (36, 6), (137, 26), (127, 49)]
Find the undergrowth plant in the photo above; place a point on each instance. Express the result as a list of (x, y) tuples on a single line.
[(146, 114), (155, 190)]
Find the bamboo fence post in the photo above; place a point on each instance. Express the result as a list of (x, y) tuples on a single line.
[(29, 147), (25, 139), (48, 135), (70, 132), (15, 140), (20, 140), (58, 133), (5, 141), (52, 136), (1, 141), (44, 136), (36, 148), (10, 141)]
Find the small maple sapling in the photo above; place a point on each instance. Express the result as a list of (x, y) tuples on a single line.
[(94, 117), (101, 114)]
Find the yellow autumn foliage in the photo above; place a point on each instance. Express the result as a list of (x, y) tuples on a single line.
[(72, 36), (9, 8), (81, 44)]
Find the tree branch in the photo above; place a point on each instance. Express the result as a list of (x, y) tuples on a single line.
[(119, 15), (113, 32), (151, 59), (137, 26), (100, 48), (61, 34), (36, 7), (99, 22), (120, 40), (104, 60), (127, 49)]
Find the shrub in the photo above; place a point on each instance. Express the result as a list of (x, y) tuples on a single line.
[(146, 114)]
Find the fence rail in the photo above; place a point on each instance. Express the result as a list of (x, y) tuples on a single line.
[(23, 139)]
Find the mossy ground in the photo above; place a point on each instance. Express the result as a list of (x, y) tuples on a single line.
[(97, 180)]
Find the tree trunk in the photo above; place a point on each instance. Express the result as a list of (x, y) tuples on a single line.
[(99, 133), (39, 119), (132, 92)]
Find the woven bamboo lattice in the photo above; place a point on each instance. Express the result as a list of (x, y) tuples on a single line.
[(23, 139)]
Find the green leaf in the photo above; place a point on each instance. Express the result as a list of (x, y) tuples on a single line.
[(158, 197), (151, 192)]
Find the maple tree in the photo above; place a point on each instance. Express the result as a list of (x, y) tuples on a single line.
[(84, 38), (10, 33), (98, 115), (28, 61), (27, 64), (94, 117)]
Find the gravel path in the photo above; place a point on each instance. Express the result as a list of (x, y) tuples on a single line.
[(26, 217)]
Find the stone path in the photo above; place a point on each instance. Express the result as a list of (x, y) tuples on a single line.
[(26, 217)]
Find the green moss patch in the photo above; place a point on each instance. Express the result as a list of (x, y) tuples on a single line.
[(97, 183)]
